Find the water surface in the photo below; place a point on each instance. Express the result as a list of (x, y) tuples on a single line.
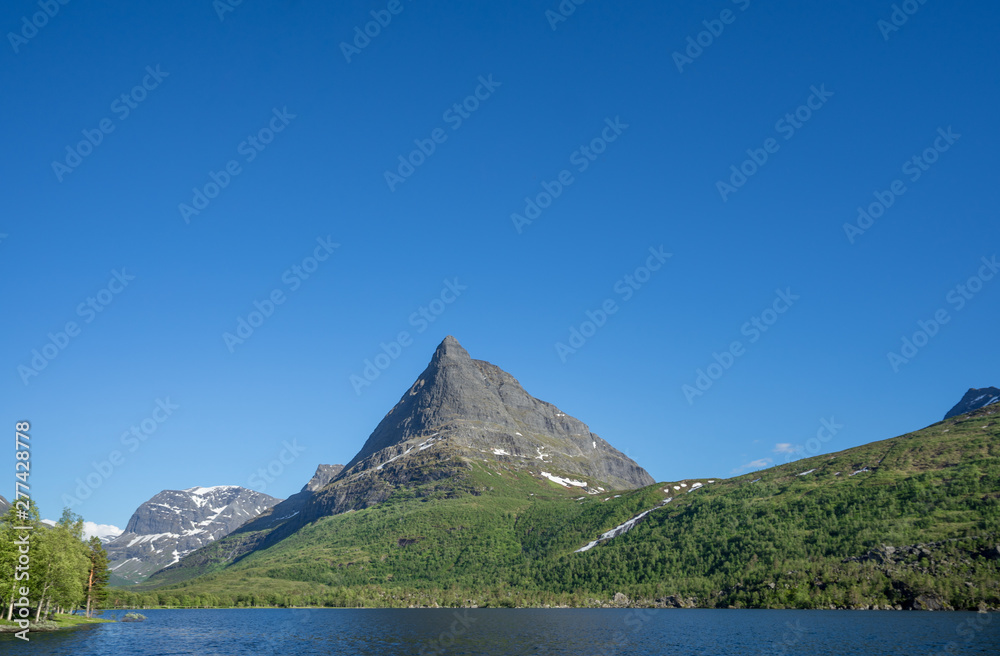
[(495, 632)]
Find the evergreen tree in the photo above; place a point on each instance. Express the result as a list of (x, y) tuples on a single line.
[(98, 574)]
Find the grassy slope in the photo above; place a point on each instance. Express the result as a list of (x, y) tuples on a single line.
[(781, 541)]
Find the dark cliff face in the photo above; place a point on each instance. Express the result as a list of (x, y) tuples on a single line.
[(458, 411), (176, 522), (324, 474), (293, 505), (472, 407), (974, 399)]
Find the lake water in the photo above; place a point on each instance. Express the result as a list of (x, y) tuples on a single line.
[(492, 632)]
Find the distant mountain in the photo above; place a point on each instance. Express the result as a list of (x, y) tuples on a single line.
[(909, 522), (974, 399), (176, 522), (4, 504), (458, 416)]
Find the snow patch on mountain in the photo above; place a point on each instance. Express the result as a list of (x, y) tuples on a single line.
[(565, 482)]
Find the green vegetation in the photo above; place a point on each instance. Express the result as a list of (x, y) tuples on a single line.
[(918, 525), (51, 568), (55, 622)]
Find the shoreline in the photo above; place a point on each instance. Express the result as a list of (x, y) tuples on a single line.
[(604, 607), (61, 622)]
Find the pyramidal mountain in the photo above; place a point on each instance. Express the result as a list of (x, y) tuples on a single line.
[(974, 399), (478, 410), (471, 492), (174, 523), (458, 412)]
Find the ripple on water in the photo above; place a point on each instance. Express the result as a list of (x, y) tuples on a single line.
[(498, 632)]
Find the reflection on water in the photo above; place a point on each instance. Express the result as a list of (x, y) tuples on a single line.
[(493, 632)]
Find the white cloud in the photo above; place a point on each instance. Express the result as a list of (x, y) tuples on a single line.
[(103, 531), (755, 464), (785, 447)]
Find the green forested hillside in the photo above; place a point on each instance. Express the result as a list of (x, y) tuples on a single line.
[(912, 521)]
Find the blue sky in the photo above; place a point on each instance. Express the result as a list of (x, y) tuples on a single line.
[(610, 135)]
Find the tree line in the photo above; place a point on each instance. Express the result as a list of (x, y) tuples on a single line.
[(57, 568)]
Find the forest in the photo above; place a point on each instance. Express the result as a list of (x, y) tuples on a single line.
[(46, 569)]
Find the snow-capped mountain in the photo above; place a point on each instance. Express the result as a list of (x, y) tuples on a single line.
[(176, 522), (974, 399)]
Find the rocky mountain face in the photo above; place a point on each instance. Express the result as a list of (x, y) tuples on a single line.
[(457, 412), (324, 474), (974, 399), (294, 504), (478, 408), (176, 522), (4, 504)]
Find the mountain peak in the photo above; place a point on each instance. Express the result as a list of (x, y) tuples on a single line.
[(324, 474), (176, 522), (479, 409), (450, 349), (974, 399)]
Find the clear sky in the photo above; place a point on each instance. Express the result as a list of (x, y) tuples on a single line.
[(169, 165)]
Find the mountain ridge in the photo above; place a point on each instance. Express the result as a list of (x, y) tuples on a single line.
[(911, 521), (173, 523), (974, 399), (458, 412)]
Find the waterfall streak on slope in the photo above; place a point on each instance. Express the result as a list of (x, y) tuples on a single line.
[(621, 528)]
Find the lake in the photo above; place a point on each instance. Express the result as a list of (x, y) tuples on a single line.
[(492, 632)]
